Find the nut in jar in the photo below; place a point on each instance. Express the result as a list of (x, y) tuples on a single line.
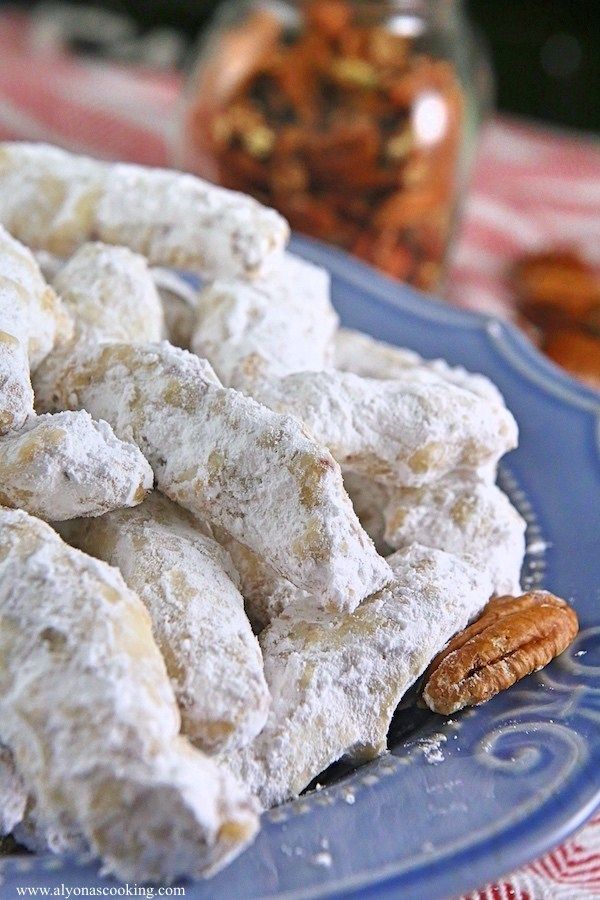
[(350, 118)]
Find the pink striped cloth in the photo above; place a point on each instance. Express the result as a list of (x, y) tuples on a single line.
[(530, 187), (571, 872), (90, 108)]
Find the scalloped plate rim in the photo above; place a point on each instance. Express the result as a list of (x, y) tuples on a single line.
[(406, 298)]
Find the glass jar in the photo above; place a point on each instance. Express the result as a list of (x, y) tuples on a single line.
[(354, 118)]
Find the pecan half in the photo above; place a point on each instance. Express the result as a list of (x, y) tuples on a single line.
[(576, 351), (555, 282), (514, 637)]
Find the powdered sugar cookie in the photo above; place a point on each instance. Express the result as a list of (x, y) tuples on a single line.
[(55, 201), (464, 515), (336, 681), (66, 465), (397, 432), (258, 475), (271, 326), (187, 583), (32, 319), (78, 665)]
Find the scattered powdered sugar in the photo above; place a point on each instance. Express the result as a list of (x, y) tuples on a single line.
[(537, 547), (453, 725), (431, 748), (292, 851), (321, 859)]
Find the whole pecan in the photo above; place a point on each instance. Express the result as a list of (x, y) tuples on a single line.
[(555, 281), (558, 295), (577, 351), (513, 637)]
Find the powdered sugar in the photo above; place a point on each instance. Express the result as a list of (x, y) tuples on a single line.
[(184, 579), (66, 465), (431, 748), (335, 681), (56, 201), (99, 751), (256, 474), (404, 433)]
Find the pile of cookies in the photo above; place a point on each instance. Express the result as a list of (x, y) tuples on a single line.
[(287, 478)]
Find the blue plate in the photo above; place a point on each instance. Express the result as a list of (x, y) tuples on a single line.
[(456, 803)]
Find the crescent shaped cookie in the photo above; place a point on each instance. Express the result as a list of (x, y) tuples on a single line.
[(187, 583), (336, 680), (275, 325), (399, 433), (111, 295), (54, 200), (32, 320), (256, 474), (66, 465), (464, 515), (87, 711)]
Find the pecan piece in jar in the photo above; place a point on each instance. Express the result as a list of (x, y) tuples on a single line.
[(514, 637)]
